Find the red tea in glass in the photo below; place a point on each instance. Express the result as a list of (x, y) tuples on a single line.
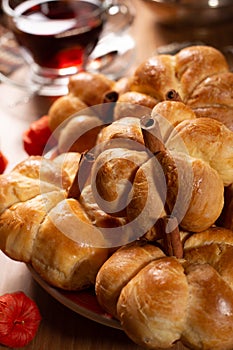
[(58, 34)]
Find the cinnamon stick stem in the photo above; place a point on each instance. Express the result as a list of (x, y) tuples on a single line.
[(82, 174), (109, 101), (151, 134), (172, 242), (173, 95)]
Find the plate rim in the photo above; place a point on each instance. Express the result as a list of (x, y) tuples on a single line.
[(78, 309)]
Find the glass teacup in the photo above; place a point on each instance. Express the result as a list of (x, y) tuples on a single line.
[(58, 36)]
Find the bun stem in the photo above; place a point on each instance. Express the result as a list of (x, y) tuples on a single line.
[(171, 236), (82, 174), (151, 134)]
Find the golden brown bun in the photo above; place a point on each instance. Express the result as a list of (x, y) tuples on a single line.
[(169, 114), (199, 74), (212, 235), (89, 87), (38, 225), (68, 250), (182, 72), (97, 216), (196, 63), (125, 132), (31, 177), (119, 270), (112, 176), (133, 104), (19, 224), (155, 77), (69, 162), (209, 140), (213, 97), (63, 108), (85, 90), (146, 204), (161, 300), (189, 181), (152, 306), (210, 277), (210, 310), (190, 196), (56, 237), (79, 134)]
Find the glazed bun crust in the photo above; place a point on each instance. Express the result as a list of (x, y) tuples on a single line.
[(209, 140), (160, 299), (40, 226), (133, 104), (196, 63), (97, 216), (155, 77), (112, 176), (90, 88), (79, 134), (213, 97), (191, 197), (125, 132), (152, 306), (63, 108), (204, 322), (119, 270), (19, 224), (31, 177), (68, 249), (169, 114)]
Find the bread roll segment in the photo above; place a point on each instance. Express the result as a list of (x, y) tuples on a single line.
[(160, 299), (209, 311), (133, 104), (68, 250), (190, 195), (40, 226), (125, 132), (120, 268), (196, 63), (169, 114), (152, 306), (29, 178), (219, 103), (90, 88), (155, 76), (112, 176), (19, 224), (63, 108), (209, 140), (79, 134)]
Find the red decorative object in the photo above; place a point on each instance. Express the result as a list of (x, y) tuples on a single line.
[(38, 137), (19, 319), (3, 162)]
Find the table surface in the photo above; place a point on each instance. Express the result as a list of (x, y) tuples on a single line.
[(61, 328)]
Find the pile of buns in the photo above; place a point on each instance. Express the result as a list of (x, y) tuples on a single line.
[(199, 74), (138, 201)]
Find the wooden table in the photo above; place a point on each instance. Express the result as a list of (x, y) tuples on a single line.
[(62, 328)]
